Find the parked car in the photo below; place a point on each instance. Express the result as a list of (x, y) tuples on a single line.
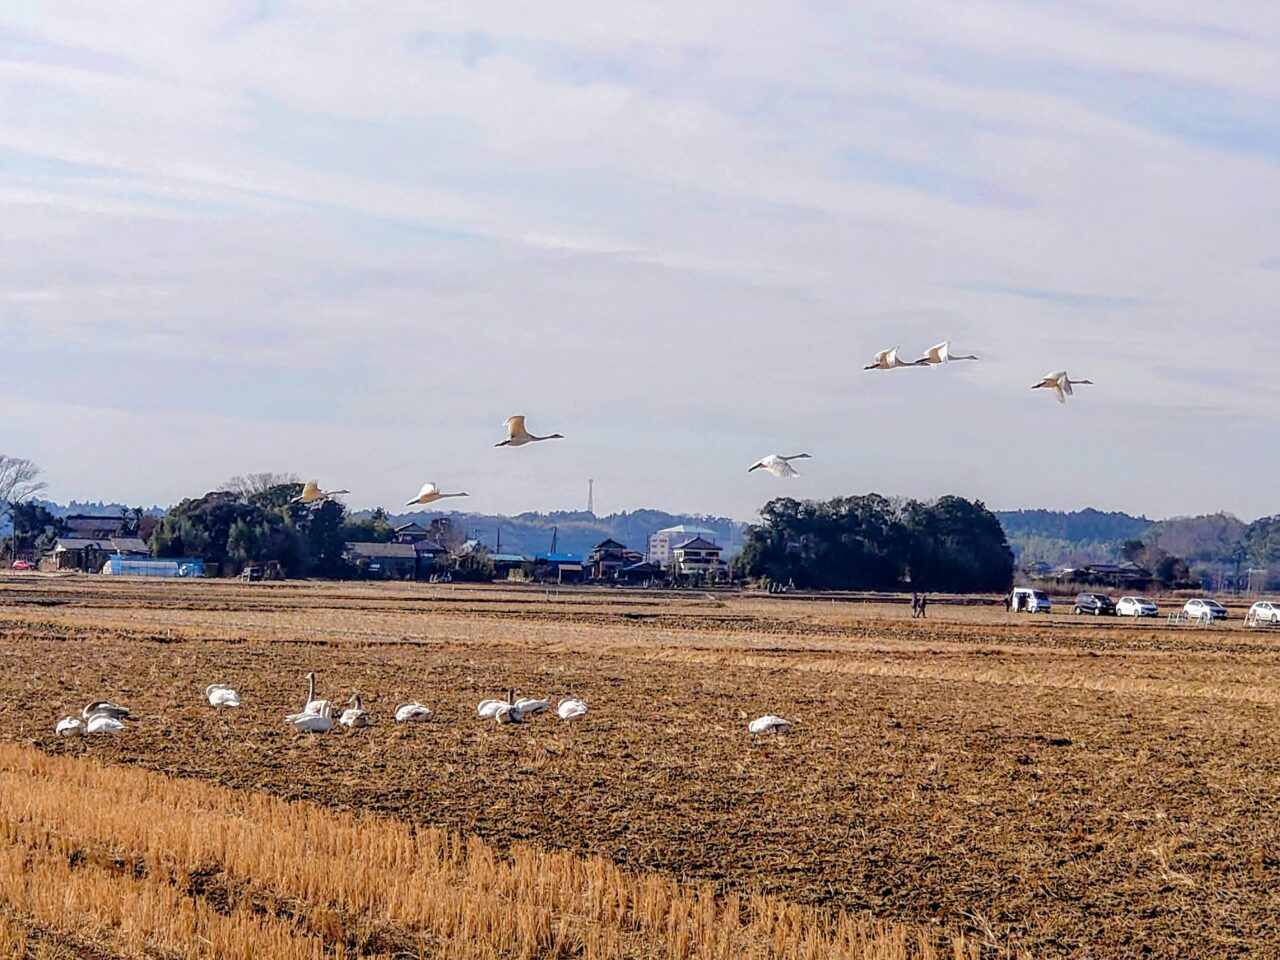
[(21, 565), (1136, 607), (1264, 611), (251, 574), (1026, 600), (1099, 604), (1199, 609)]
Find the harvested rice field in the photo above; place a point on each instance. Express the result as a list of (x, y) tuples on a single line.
[(976, 784)]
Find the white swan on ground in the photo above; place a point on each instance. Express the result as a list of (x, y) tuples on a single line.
[(769, 724), (430, 493), (778, 465), (103, 723), (310, 722), (105, 708), (518, 436), (940, 353), (220, 695), (311, 493), (354, 716), (508, 713), (1060, 384), (412, 712), (528, 705), (70, 727), (487, 708), (571, 709), (322, 707), (889, 359)]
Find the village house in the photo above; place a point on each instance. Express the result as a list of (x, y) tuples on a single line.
[(608, 558), (90, 555), (697, 558), (383, 561), (662, 542), (558, 568)]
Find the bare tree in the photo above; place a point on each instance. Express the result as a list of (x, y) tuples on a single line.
[(19, 481), (251, 484)]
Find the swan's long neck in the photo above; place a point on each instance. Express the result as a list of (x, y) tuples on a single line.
[(311, 687)]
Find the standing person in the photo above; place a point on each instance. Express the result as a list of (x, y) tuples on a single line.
[(1008, 601), (924, 600), (915, 604)]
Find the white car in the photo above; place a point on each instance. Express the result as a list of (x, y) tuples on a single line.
[(1136, 607), (1264, 611), (1204, 610), (1030, 601)]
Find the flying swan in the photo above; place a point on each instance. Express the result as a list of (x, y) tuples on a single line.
[(941, 353), (430, 493), (889, 359), (1060, 384), (311, 493), (779, 465), (518, 436)]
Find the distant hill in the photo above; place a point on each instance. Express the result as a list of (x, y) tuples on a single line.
[(1055, 536), (576, 532)]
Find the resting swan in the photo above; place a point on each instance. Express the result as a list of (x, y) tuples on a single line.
[(220, 695), (105, 708), (354, 716), (310, 722), (69, 727), (769, 724), (571, 709), (412, 712)]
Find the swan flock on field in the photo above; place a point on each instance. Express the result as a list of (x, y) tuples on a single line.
[(320, 716)]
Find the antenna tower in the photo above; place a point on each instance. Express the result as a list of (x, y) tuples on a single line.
[(591, 497)]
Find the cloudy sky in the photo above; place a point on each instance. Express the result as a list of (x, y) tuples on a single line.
[(349, 240)]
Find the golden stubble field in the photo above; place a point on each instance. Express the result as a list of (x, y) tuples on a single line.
[(1008, 785)]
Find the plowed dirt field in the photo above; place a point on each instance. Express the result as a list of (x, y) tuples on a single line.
[(1073, 787)]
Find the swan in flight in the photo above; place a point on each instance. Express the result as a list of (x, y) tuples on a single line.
[(518, 436), (430, 493), (354, 716), (1060, 384), (105, 708), (103, 723), (311, 493), (778, 465), (322, 707), (412, 713), (310, 722), (888, 359), (528, 705), (769, 724), (220, 695), (69, 727), (941, 353), (571, 709)]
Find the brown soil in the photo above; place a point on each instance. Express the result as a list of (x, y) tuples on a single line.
[(1079, 788)]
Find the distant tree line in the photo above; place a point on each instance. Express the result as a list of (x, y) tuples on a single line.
[(256, 523), (873, 543)]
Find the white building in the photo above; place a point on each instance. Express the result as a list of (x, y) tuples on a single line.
[(698, 556), (664, 541)]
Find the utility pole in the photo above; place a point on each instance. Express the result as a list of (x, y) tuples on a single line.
[(591, 497)]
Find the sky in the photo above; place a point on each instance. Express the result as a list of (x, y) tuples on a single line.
[(349, 240)]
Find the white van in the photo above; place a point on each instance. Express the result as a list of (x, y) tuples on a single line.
[(1026, 600)]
